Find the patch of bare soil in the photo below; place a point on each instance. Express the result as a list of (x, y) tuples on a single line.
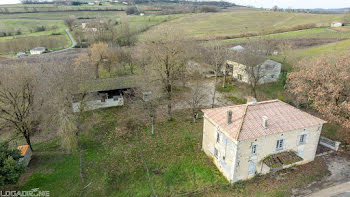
[(207, 91), (341, 29), (339, 168), (310, 42)]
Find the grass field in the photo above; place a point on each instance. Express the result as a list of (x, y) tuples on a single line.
[(113, 164), (61, 15), (317, 33), (52, 37), (335, 48), (210, 25), (54, 7), (137, 22), (26, 25)]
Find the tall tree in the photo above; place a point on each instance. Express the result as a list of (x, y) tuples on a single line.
[(69, 22), (168, 54), (253, 67), (216, 56), (325, 83), (196, 97), (18, 105)]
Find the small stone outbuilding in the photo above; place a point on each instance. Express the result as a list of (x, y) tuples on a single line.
[(270, 71), (37, 51), (26, 154), (336, 24)]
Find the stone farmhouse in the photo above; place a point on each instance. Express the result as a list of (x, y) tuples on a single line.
[(269, 70), (101, 93), (259, 137)]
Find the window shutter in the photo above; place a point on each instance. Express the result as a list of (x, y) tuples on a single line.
[(306, 138)]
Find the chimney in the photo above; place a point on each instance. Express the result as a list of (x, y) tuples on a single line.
[(264, 121), (229, 117), (251, 100)]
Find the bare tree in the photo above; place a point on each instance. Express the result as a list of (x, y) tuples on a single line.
[(17, 108), (69, 22), (168, 54), (252, 65), (99, 55), (216, 57), (275, 8), (195, 98), (126, 37)]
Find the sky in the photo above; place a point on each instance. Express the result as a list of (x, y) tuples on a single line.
[(307, 4), (9, 1)]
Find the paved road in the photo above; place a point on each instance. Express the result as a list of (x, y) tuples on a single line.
[(342, 190), (71, 46), (71, 39)]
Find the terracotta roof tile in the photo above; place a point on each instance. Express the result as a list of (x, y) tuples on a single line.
[(23, 149), (247, 119)]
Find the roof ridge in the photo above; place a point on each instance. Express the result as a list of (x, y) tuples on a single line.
[(241, 124), (304, 112)]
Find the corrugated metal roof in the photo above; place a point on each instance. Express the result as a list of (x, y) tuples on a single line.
[(247, 119), (106, 84)]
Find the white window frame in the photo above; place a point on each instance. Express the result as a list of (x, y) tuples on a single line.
[(239, 77), (254, 149), (302, 136), (279, 145)]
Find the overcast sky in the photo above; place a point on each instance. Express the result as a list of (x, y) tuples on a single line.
[(271, 3), (295, 3), (9, 1)]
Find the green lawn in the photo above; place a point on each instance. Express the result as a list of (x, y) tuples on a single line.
[(333, 48), (113, 164), (54, 7), (211, 25)]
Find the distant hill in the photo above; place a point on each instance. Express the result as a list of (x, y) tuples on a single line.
[(321, 10), (208, 3)]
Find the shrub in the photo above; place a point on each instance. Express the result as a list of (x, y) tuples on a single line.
[(18, 32), (131, 10), (10, 170), (209, 9), (40, 28)]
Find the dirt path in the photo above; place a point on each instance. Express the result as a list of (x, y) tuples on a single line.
[(339, 167), (208, 88), (341, 190)]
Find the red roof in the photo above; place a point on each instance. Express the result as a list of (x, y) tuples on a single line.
[(23, 149), (247, 119)]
